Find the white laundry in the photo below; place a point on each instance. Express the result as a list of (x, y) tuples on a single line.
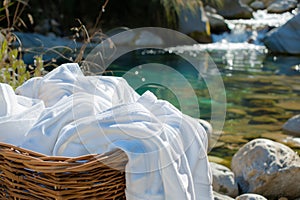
[(17, 115), (166, 149), (68, 79)]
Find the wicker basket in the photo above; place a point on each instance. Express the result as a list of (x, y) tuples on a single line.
[(27, 175)]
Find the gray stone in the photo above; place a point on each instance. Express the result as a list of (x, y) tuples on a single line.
[(265, 2), (210, 9), (267, 168), (217, 23), (223, 180), (292, 126), (51, 47), (280, 6), (257, 5), (195, 24), (285, 39), (234, 9), (268, 2), (147, 38), (250, 197), (218, 196)]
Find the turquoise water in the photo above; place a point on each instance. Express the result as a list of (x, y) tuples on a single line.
[(262, 90)]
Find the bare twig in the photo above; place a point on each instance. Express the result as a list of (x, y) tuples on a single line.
[(100, 14), (18, 13), (6, 5)]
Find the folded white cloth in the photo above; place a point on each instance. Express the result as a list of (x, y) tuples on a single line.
[(83, 115)]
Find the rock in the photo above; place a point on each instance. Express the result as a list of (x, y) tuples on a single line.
[(292, 126), (267, 168), (280, 6), (235, 113), (250, 197), (223, 180), (218, 196), (210, 9), (126, 39), (217, 23), (234, 9), (43, 27), (283, 198), (232, 139), (51, 47), (285, 39), (266, 3), (147, 38), (289, 105), (257, 5), (195, 24), (264, 119), (265, 111)]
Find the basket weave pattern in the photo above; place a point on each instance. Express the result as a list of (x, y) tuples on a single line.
[(26, 174)]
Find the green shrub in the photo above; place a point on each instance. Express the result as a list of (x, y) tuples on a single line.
[(13, 70)]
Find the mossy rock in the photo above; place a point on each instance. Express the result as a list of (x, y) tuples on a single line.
[(289, 105), (283, 117), (265, 111), (261, 103), (266, 127), (234, 113), (263, 120), (219, 160), (273, 89), (233, 139), (264, 97), (276, 136)]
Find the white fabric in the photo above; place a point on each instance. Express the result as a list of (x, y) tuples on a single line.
[(17, 115), (166, 149)]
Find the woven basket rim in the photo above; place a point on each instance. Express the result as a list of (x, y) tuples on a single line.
[(26, 174), (38, 154)]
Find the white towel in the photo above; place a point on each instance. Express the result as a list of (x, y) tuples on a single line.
[(83, 115), (17, 115), (68, 79)]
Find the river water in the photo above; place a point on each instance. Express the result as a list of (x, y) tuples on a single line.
[(262, 90)]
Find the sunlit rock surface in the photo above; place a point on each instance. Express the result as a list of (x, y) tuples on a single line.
[(267, 168)]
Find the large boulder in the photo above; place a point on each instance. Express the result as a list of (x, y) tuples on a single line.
[(285, 39), (250, 197), (234, 9), (292, 126), (217, 23), (195, 24), (280, 6), (223, 180), (267, 168)]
